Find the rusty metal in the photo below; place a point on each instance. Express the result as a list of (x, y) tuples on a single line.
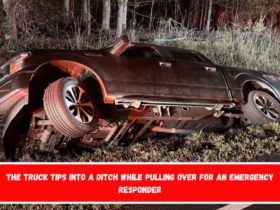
[(112, 132), (102, 134), (170, 130), (122, 131), (46, 134), (142, 130), (237, 115), (42, 137), (170, 113), (73, 68)]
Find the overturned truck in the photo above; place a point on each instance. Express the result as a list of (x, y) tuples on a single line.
[(126, 91)]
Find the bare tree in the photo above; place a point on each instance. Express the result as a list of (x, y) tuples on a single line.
[(151, 14), (209, 16), (67, 7), (220, 16), (106, 15), (195, 8), (133, 32), (201, 16), (193, 12), (9, 7), (278, 21), (124, 14), (120, 18), (84, 12), (86, 16)]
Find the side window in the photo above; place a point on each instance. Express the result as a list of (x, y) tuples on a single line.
[(185, 56), (140, 52)]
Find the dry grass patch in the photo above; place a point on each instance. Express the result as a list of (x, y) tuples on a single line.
[(61, 206), (232, 146)]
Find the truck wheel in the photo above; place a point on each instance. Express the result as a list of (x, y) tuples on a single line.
[(70, 108), (261, 108)]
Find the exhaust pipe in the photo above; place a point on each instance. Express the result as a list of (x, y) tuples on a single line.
[(171, 130), (175, 130)]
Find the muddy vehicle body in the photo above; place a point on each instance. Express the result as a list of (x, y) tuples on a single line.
[(49, 98)]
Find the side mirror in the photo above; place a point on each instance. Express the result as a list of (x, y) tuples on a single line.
[(120, 45)]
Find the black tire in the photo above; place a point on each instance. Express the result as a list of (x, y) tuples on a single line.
[(261, 108), (63, 105)]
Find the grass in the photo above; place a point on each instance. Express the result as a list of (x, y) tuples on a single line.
[(251, 50), (61, 206), (233, 146)]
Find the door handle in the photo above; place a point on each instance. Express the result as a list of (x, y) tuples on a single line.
[(165, 64), (211, 69)]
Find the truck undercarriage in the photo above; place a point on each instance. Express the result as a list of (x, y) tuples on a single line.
[(124, 124)]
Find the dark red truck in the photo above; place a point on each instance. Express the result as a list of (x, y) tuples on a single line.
[(125, 91)]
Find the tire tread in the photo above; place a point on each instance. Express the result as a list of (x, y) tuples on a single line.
[(56, 111)]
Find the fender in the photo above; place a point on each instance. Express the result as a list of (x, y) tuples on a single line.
[(237, 77), (75, 65), (14, 89)]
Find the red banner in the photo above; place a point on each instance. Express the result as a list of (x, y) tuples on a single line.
[(139, 182)]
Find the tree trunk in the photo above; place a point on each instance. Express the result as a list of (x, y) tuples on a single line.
[(84, 13), (278, 21), (9, 7), (124, 14), (88, 18), (133, 33), (95, 9), (151, 14), (120, 18), (198, 13), (106, 15), (201, 16), (194, 13), (206, 7), (220, 20), (176, 10), (209, 16), (67, 7), (134, 15)]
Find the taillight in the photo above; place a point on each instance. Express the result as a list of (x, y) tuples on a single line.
[(15, 63), (13, 68)]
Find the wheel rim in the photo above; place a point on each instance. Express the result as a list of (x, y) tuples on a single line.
[(79, 104), (267, 106)]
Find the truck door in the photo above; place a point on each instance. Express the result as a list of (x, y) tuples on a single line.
[(198, 79)]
